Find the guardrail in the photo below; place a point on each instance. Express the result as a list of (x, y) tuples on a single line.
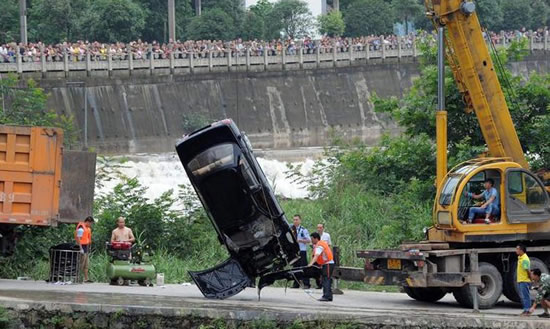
[(228, 61)]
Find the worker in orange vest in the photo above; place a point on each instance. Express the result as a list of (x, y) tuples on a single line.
[(83, 237), (322, 255)]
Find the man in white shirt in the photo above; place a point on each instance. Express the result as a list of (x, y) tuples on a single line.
[(324, 235)]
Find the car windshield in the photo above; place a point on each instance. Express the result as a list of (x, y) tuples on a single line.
[(211, 159)]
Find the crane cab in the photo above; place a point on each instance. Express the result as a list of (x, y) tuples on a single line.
[(524, 211)]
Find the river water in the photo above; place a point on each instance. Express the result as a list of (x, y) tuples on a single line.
[(162, 172)]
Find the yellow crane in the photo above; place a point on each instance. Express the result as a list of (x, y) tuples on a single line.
[(474, 260)]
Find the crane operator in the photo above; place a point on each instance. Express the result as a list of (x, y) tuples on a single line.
[(491, 206)]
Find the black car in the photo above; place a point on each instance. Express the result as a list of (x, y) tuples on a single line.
[(242, 207)]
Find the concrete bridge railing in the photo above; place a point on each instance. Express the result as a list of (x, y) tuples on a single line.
[(209, 62)]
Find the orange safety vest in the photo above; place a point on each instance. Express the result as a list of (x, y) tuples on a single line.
[(326, 256), (86, 238)]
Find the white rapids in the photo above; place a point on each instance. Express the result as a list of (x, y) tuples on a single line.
[(162, 172)]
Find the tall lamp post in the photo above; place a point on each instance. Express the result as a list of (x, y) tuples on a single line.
[(172, 20), (23, 20)]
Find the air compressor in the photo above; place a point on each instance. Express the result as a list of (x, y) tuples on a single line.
[(129, 263)]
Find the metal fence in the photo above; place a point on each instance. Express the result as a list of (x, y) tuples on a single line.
[(64, 265), (245, 59)]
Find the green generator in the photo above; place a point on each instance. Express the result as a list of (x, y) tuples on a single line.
[(129, 263)]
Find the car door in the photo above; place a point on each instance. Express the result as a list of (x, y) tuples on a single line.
[(527, 201)]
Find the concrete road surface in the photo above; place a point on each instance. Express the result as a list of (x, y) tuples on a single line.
[(276, 303)]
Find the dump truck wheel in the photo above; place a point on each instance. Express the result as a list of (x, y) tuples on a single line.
[(510, 289), (120, 281), (488, 294), (425, 294)]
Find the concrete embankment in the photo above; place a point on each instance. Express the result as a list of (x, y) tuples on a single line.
[(278, 109), (39, 305)]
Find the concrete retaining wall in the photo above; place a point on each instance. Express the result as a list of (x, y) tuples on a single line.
[(278, 109)]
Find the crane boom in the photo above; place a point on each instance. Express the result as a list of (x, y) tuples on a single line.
[(470, 61)]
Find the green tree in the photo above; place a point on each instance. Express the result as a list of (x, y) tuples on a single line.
[(26, 105), (9, 21), (262, 11), (332, 24), (292, 17), (213, 24), (52, 21), (407, 11), (515, 14), (489, 13), (540, 12), (529, 104), (115, 20), (156, 21), (253, 27), (365, 17), (234, 8)]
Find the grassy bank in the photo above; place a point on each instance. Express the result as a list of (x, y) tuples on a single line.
[(356, 219)]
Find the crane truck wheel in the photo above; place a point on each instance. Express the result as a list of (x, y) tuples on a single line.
[(425, 294), (489, 292), (510, 282)]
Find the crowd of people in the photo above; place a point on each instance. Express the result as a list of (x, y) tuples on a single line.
[(77, 51)]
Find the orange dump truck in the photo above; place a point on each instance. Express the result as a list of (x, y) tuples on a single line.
[(41, 183)]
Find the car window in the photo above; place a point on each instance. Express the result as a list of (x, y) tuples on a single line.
[(211, 159), (248, 175)]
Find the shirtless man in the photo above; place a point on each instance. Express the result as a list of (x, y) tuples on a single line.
[(122, 233)]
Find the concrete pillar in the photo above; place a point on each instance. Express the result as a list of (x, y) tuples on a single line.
[(283, 54), (65, 63), (414, 47), (383, 47), (318, 55), (399, 47), (191, 62), (198, 8), (336, 5), (110, 63), (531, 41), (151, 60), (229, 60), (210, 65), (19, 60), (130, 57), (172, 20), (89, 61), (247, 59), (367, 51), (350, 50), (546, 36), (23, 21), (43, 61), (266, 62), (324, 9), (301, 56), (334, 54), (503, 38), (171, 60)]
